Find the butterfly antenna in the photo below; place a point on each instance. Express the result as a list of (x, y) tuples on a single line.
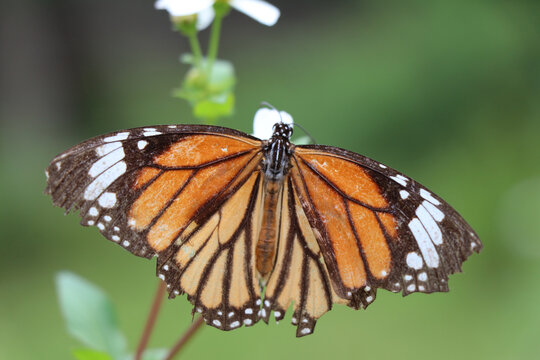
[(270, 106), (306, 132)]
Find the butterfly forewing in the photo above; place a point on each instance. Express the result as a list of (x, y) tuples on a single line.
[(124, 182), (407, 238)]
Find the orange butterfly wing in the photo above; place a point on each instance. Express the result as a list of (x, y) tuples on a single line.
[(186, 194), (376, 227), (353, 225)]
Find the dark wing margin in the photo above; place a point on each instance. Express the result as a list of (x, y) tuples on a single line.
[(407, 238)]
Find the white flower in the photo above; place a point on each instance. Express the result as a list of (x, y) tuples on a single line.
[(264, 120), (260, 10)]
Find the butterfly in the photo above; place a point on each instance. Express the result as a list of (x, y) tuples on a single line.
[(248, 228)]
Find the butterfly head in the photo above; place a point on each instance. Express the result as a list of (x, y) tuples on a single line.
[(282, 130)]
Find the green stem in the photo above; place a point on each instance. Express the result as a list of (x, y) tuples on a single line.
[(195, 48), (185, 338), (214, 41)]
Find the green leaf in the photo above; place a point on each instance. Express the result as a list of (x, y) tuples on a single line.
[(210, 91), (87, 354), (222, 76), (89, 314), (214, 108)]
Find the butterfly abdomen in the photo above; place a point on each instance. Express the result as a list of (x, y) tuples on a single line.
[(266, 243)]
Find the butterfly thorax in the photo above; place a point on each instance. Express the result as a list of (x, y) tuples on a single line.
[(275, 165), (277, 152)]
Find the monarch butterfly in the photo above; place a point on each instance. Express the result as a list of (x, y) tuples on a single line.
[(246, 227)]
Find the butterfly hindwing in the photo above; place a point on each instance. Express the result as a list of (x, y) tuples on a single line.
[(300, 277), (213, 263)]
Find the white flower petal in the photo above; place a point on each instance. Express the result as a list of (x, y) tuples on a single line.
[(259, 10), (264, 120), (286, 118), (205, 18), (183, 7)]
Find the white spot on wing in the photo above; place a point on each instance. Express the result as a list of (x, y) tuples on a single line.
[(427, 195), (411, 287), (107, 218), (437, 214), (141, 144), (115, 238), (430, 225), (107, 148), (382, 166), (107, 200), (216, 322), (399, 180), (125, 243), (422, 276), (248, 311), (104, 180), (424, 243), (151, 132), (101, 226), (247, 321), (93, 211), (117, 137), (106, 162), (235, 324), (404, 194), (305, 331), (414, 261)]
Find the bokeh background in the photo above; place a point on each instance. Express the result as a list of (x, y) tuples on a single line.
[(446, 91)]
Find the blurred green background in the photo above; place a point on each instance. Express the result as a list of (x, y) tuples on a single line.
[(446, 91)]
